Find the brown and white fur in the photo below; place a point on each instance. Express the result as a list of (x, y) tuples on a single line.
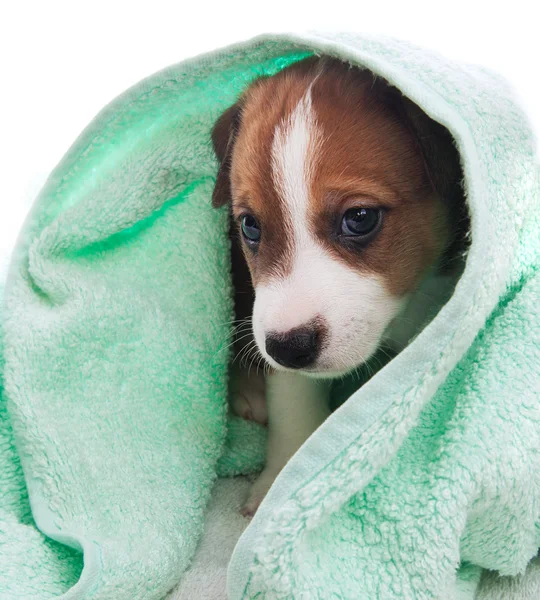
[(299, 150)]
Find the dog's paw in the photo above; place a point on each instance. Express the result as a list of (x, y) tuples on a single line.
[(257, 494), (247, 396), (249, 509), (250, 406)]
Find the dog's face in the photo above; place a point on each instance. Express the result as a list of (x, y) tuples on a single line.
[(336, 209)]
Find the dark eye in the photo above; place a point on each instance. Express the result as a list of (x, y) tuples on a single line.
[(250, 229), (360, 221)]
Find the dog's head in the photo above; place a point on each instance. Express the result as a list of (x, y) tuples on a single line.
[(339, 191)]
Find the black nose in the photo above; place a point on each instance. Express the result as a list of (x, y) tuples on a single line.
[(295, 349)]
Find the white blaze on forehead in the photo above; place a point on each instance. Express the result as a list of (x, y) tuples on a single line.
[(293, 152)]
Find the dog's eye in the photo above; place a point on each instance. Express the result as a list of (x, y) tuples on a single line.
[(250, 229), (360, 221)]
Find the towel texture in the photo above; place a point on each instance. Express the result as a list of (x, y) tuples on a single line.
[(205, 578), (116, 342)]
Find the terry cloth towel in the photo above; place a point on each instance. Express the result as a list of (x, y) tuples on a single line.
[(116, 324)]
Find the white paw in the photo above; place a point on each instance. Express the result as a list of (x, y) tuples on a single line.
[(247, 396), (257, 493)]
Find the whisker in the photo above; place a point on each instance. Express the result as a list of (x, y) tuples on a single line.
[(255, 355), (250, 350), (244, 353), (243, 337)]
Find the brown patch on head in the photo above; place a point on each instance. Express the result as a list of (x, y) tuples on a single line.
[(370, 157), (376, 149)]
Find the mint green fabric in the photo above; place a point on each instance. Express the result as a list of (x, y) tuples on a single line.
[(116, 342)]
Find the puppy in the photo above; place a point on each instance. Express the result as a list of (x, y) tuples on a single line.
[(346, 206)]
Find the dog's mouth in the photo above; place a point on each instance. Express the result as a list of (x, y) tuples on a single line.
[(328, 372)]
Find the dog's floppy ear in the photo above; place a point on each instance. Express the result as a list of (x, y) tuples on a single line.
[(223, 137), (443, 167), (441, 160), (441, 156)]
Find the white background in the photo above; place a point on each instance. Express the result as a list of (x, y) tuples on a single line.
[(61, 62)]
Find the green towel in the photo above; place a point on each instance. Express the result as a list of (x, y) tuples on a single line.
[(116, 342)]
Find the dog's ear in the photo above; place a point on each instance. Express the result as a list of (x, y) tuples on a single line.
[(442, 165), (223, 137), (441, 156)]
